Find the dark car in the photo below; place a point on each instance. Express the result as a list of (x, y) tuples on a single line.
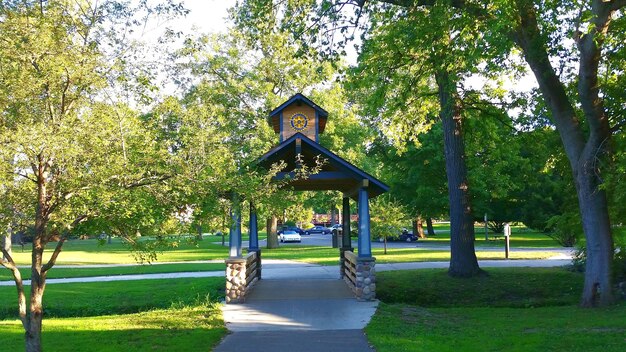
[(291, 228), (407, 236), (317, 229)]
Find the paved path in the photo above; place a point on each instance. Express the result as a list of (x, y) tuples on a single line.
[(285, 315), (286, 269)]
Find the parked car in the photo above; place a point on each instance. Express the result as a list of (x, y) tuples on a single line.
[(407, 237), (291, 228), (317, 229), (290, 236)]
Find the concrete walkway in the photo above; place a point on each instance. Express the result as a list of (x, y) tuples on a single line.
[(287, 269), (298, 315)]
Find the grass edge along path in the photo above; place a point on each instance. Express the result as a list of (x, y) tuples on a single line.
[(154, 315), (512, 309)]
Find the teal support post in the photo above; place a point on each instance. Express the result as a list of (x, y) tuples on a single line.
[(365, 241), (254, 231), (234, 240)]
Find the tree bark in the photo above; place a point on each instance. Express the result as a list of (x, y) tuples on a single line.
[(199, 229), (7, 243), (583, 152), (463, 261), (429, 227), (38, 277), (272, 236), (418, 227)]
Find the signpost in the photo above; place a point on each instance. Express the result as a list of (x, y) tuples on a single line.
[(507, 236)]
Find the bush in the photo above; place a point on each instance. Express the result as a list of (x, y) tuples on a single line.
[(565, 228)]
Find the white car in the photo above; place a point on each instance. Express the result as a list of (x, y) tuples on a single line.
[(290, 236)]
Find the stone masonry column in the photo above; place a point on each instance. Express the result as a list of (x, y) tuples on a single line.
[(365, 289), (235, 280)]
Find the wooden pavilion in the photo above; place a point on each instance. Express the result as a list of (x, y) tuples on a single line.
[(299, 121)]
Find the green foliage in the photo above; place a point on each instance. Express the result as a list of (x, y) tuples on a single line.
[(388, 217), (566, 228)]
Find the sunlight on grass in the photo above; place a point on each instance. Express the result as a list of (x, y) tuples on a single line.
[(182, 329)]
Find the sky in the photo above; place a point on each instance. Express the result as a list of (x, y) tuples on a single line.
[(206, 15), (209, 16)]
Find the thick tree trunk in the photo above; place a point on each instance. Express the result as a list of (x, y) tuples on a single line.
[(584, 152), (598, 288), (463, 262), (272, 236), (429, 227), (35, 317)]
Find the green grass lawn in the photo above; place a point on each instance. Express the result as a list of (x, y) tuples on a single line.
[(150, 315), (512, 309), (117, 297), (520, 237), (89, 252), (59, 272)]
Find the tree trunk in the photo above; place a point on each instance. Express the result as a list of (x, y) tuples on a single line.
[(598, 287), (7, 242), (35, 317), (429, 227), (272, 236), (38, 277), (418, 227), (585, 153), (463, 262), (199, 229)]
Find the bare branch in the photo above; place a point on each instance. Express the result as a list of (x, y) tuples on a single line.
[(19, 285), (59, 246), (145, 181)]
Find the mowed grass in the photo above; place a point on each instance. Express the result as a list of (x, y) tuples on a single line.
[(512, 309), (208, 251), (60, 272), (520, 237), (77, 252), (149, 315), (116, 297), (198, 328)]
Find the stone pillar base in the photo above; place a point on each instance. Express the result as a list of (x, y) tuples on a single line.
[(360, 275), (241, 275)]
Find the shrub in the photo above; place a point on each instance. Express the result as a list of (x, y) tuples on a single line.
[(565, 228)]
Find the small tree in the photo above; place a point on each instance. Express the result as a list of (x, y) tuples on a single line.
[(388, 218)]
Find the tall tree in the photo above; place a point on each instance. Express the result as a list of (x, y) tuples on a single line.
[(65, 150), (437, 65), (576, 101)]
